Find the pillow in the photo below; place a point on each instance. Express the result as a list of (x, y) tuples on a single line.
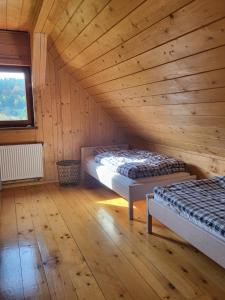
[(106, 149)]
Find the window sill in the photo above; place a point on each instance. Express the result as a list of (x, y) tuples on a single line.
[(19, 128)]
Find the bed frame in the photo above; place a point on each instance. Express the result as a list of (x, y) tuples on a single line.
[(131, 192), (203, 240)]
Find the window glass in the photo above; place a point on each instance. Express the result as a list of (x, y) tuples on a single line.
[(16, 104), (13, 104)]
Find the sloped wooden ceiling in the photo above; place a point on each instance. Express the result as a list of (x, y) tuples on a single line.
[(18, 14)]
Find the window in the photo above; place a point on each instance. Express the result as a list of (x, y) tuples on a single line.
[(16, 103)]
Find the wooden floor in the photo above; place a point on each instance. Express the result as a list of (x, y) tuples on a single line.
[(77, 243)]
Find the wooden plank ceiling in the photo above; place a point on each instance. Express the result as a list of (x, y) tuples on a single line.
[(158, 67), (18, 14)]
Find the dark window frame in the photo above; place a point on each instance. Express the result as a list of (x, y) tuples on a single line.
[(29, 98)]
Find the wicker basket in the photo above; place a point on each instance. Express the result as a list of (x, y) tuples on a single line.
[(68, 171)]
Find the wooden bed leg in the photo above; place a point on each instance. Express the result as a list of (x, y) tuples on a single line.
[(149, 217), (131, 209)]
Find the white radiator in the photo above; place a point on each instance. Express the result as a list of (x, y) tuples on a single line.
[(21, 162)]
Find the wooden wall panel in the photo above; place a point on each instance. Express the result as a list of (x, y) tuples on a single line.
[(17, 136), (198, 161), (39, 58), (67, 118)]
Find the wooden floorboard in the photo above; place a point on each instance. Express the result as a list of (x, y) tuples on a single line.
[(77, 243)]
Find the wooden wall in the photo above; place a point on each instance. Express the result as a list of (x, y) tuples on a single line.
[(66, 119), (157, 67)]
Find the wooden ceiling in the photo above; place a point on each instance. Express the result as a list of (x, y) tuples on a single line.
[(18, 14), (158, 67)]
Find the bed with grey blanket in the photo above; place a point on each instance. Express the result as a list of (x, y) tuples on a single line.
[(200, 201), (139, 163), (130, 173), (195, 210)]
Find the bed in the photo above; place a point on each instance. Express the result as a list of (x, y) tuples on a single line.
[(131, 189), (195, 210)]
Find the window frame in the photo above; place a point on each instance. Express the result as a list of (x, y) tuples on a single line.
[(29, 98)]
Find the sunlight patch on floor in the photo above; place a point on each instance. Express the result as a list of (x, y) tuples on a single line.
[(114, 202)]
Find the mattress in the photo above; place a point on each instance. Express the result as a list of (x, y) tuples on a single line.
[(139, 163), (202, 202), (102, 171)]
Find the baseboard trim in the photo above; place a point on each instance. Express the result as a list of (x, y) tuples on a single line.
[(22, 183)]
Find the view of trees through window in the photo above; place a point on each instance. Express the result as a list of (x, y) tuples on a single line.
[(13, 104)]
